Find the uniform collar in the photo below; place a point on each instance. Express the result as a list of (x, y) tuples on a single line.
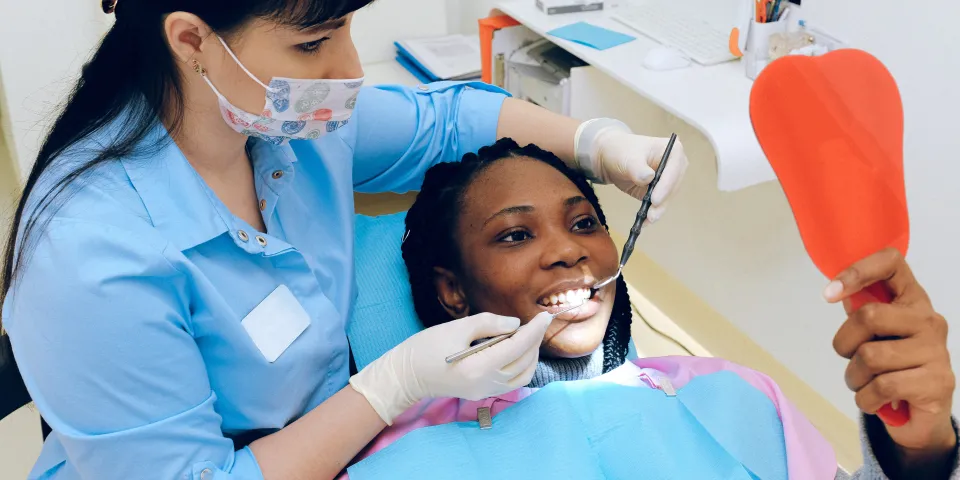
[(180, 204)]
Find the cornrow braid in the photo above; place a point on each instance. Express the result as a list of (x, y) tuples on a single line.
[(429, 239)]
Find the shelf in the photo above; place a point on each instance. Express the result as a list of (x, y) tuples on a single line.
[(714, 100)]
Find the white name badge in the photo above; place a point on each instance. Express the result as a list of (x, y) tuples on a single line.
[(276, 323)]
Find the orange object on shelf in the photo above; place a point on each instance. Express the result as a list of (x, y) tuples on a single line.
[(832, 129), (487, 27)]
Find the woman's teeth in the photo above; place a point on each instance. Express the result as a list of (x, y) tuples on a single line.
[(571, 297)]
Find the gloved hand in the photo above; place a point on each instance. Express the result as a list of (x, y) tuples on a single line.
[(607, 152), (416, 369)]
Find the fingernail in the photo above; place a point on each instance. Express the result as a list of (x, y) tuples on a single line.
[(833, 290)]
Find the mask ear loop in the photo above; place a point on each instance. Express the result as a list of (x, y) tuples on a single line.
[(203, 73), (235, 59)]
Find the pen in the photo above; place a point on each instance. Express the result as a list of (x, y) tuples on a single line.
[(761, 11), (775, 11)]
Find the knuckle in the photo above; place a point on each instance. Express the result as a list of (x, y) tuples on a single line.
[(868, 315), (948, 380), (891, 255), (871, 356), (852, 277), (886, 387), (838, 345), (934, 408), (938, 324)]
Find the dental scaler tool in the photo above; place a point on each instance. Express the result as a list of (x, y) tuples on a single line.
[(641, 217), (456, 357)]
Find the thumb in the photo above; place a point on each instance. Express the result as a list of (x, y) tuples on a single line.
[(637, 169), (885, 266), (485, 325), (537, 327), (529, 336), (625, 158)]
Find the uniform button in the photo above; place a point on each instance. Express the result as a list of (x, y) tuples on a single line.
[(243, 235), (277, 174), (423, 88), (263, 205), (206, 474), (262, 241)]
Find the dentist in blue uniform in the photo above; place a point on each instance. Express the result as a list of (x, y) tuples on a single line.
[(181, 264)]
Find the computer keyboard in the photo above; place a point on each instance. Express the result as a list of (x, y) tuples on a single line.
[(679, 26)]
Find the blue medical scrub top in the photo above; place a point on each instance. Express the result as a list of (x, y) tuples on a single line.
[(126, 320)]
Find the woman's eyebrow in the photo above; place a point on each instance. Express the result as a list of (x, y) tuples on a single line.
[(574, 201), (509, 211)]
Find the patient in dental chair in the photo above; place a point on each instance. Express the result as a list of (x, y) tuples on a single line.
[(482, 239)]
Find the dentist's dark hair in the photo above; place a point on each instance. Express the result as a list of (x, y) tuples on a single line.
[(429, 239), (132, 80)]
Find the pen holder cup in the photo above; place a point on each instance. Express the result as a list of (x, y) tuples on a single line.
[(757, 55)]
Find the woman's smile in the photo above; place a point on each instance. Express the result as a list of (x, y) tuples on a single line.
[(567, 296)]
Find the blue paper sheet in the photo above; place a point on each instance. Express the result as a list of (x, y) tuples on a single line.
[(718, 426), (591, 35)]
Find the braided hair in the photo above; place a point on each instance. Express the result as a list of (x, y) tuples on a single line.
[(429, 239)]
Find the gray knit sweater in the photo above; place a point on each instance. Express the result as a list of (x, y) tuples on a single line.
[(871, 467)]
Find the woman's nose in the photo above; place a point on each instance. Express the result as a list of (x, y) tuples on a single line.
[(348, 63), (563, 251)]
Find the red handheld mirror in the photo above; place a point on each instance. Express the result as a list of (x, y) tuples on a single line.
[(832, 129)]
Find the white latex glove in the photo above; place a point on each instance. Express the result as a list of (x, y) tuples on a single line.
[(417, 368), (608, 152)]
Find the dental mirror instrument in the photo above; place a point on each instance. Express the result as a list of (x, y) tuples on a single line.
[(456, 357), (641, 217), (831, 127)]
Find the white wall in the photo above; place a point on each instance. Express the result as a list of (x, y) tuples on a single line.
[(41, 50), (920, 51), (472, 10)]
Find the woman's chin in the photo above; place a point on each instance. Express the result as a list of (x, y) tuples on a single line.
[(574, 340)]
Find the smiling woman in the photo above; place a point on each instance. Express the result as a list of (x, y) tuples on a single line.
[(483, 238)]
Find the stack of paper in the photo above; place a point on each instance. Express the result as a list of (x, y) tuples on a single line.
[(452, 57)]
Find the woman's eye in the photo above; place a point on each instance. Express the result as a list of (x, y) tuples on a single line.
[(312, 47), (586, 223), (514, 237)]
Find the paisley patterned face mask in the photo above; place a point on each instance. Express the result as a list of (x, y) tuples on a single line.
[(295, 109)]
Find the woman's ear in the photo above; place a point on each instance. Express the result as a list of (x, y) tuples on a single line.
[(450, 293), (185, 33)]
